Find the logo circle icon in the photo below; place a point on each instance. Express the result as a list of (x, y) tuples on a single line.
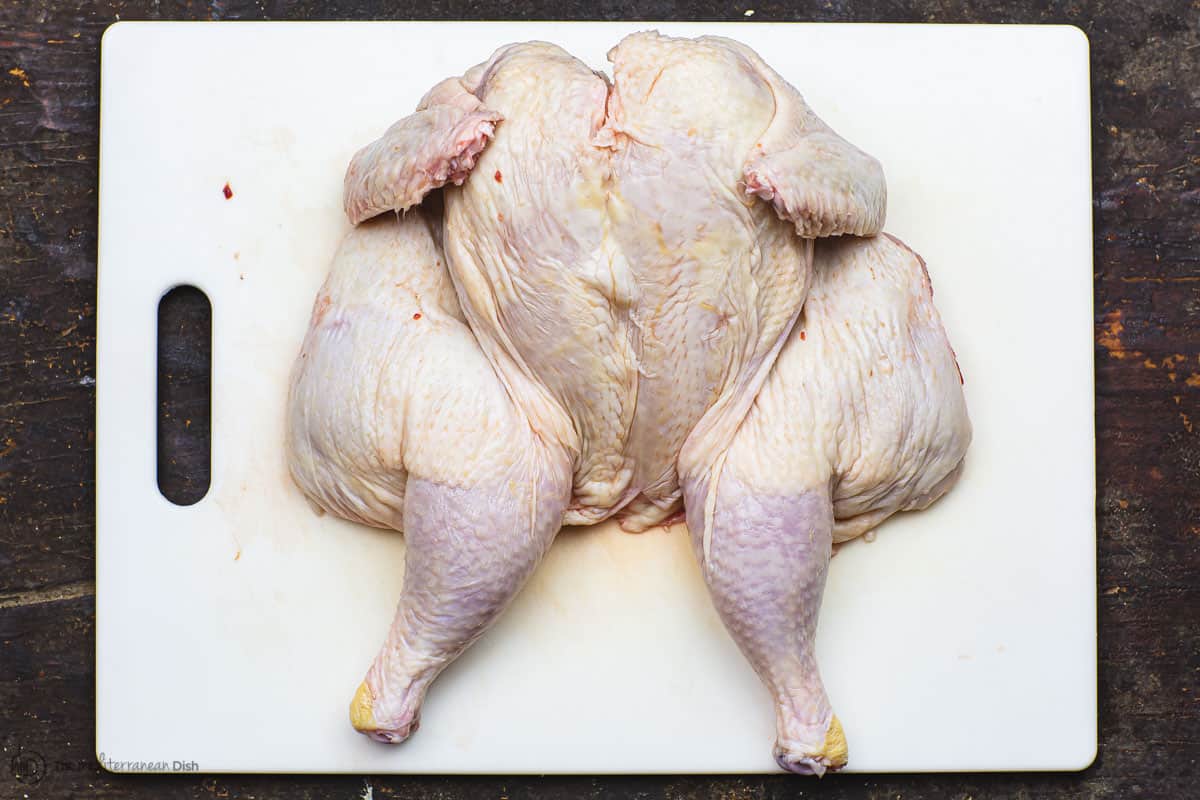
[(28, 767)]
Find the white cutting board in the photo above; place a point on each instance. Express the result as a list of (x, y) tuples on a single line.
[(233, 633)]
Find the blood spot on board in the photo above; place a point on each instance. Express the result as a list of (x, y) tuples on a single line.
[(803, 336), (499, 178), (417, 315), (227, 191), (321, 308)]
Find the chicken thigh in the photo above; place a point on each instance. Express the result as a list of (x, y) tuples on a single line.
[(618, 305)]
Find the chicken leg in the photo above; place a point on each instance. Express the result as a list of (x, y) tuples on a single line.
[(764, 555), (862, 417), (469, 552)]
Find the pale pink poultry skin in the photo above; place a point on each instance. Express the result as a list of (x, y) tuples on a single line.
[(622, 311)]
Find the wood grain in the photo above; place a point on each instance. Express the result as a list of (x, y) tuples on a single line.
[(1146, 150)]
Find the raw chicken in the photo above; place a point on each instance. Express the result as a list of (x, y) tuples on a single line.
[(621, 310)]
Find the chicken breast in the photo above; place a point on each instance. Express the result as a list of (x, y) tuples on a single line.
[(620, 305)]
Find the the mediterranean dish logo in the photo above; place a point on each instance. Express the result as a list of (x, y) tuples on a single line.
[(166, 765)]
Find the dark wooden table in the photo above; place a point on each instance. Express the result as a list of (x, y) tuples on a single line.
[(1146, 148)]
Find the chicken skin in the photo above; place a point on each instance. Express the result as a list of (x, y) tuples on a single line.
[(620, 304)]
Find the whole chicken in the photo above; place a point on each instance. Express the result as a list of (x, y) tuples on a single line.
[(620, 305)]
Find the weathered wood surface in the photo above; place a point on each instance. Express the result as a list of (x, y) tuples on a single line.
[(1146, 146)]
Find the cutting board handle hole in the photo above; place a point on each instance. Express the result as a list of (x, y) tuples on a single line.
[(184, 404)]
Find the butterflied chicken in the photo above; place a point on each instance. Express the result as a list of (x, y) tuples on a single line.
[(621, 303)]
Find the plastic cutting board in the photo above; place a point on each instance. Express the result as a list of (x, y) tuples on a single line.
[(231, 634)]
